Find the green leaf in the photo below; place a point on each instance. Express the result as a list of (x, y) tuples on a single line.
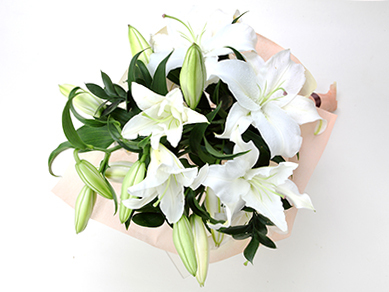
[(159, 81), (62, 147), (235, 230), (238, 55), (197, 209), (114, 131), (278, 159), (97, 90), (122, 116), (264, 157), (109, 87), (110, 108), (146, 77), (237, 18), (174, 76), (68, 127), (147, 219), (98, 137), (120, 91), (222, 156), (263, 239), (251, 249), (195, 139)]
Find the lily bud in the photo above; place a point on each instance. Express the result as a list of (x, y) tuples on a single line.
[(138, 43), (84, 101), (201, 248), (193, 76), (83, 208), (213, 206), (93, 178), (134, 176), (184, 243), (118, 170)]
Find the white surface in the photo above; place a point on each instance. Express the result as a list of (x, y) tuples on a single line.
[(341, 247)]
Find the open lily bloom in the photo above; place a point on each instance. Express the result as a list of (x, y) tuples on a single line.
[(166, 178), (161, 116), (212, 35), (267, 98), (238, 185)]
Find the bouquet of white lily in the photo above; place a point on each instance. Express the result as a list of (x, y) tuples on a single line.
[(206, 131)]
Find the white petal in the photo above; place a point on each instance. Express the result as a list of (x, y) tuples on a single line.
[(269, 205), (200, 178), (280, 132), (138, 125), (290, 190), (232, 209), (255, 61), (193, 117), (225, 181), (238, 119), (281, 71), (144, 197), (172, 203), (275, 175), (240, 36), (144, 97), (303, 110), (248, 160), (241, 80)]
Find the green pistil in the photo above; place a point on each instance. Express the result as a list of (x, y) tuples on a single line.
[(195, 38)]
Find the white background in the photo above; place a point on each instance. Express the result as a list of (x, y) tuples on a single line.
[(341, 247)]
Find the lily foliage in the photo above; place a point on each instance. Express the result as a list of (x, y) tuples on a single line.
[(216, 150)]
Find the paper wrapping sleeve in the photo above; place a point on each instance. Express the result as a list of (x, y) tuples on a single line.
[(311, 150)]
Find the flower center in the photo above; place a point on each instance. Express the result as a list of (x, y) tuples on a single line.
[(267, 97), (262, 186)]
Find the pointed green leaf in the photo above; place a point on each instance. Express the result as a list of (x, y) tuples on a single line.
[(238, 55), (109, 87), (62, 147), (218, 155), (251, 249), (148, 219), (237, 18), (159, 81), (97, 90), (67, 124)]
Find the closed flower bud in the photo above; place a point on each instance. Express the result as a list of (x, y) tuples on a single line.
[(138, 43), (118, 170), (193, 76), (84, 101), (83, 208), (184, 243), (201, 248), (93, 178), (134, 176), (212, 203)]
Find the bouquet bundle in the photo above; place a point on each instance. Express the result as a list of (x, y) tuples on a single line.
[(199, 141)]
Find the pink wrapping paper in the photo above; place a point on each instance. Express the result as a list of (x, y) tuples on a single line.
[(312, 148)]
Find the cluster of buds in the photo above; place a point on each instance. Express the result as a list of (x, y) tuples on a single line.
[(191, 242)]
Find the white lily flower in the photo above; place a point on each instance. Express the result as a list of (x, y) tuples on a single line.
[(211, 33), (267, 97), (238, 185), (161, 116), (166, 178)]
